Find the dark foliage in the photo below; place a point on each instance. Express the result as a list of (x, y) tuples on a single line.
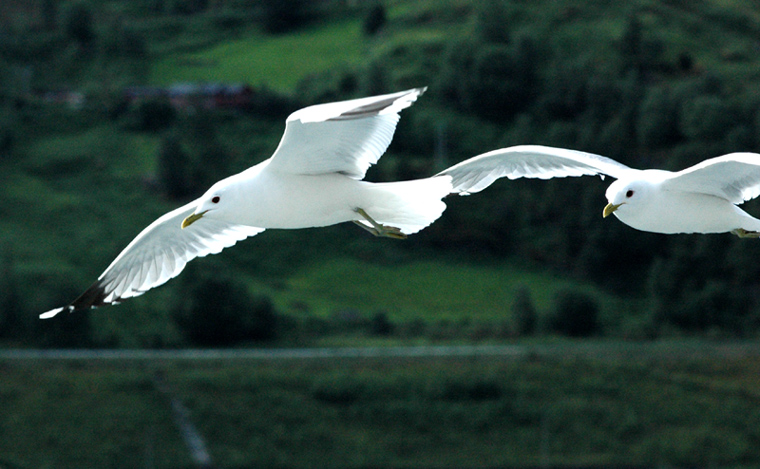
[(152, 115), (279, 17), (175, 169), (219, 312), (65, 331), (524, 312), (79, 24), (374, 20), (380, 325), (574, 314), (188, 7), (11, 306)]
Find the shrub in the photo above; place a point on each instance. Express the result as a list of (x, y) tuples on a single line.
[(657, 119), (706, 117), (374, 20), (524, 312), (65, 331), (174, 169), (79, 25), (152, 115), (574, 314), (11, 300), (491, 20), (280, 17), (380, 325), (219, 313)]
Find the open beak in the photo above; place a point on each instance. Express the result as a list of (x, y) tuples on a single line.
[(609, 208), (192, 219)]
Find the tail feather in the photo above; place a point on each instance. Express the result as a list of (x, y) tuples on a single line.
[(409, 205)]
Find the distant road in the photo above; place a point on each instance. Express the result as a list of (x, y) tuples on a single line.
[(618, 349)]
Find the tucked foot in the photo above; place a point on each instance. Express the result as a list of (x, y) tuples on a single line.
[(742, 233), (377, 229)]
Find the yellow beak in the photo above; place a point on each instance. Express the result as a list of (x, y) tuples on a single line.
[(192, 219), (609, 208)]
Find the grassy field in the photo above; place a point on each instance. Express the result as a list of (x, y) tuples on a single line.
[(563, 404), (278, 62), (453, 290)]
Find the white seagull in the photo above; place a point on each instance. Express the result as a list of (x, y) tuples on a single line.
[(313, 179), (699, 199)]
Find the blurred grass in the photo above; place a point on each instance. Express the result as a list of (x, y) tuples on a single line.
[(657, 406)]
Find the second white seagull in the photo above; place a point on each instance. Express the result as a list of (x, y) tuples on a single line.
[(699, 199)]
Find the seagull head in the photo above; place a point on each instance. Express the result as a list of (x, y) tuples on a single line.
[(212, 203), (626, 196)]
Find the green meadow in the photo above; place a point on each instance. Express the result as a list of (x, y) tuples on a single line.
[(277, 62), (668, 405)]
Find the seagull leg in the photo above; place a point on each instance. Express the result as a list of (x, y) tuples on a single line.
[(742, 233), (377, 229)]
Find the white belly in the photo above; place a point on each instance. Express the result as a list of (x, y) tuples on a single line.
[(301, 201), (689, 213)]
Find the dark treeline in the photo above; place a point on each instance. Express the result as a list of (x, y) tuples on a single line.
[(615, 81)]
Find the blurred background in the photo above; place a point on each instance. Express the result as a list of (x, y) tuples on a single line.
[(632, 348)]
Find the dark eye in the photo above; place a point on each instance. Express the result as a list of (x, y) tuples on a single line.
[(216, 199), (628, 194)]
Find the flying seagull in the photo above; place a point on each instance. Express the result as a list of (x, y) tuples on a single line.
[(313, 179), (699, 199)]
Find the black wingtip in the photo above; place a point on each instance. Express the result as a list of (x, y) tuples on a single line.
[(93, 297)]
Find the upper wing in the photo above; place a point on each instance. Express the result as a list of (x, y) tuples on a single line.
[(529, 161), (157, 254), (344, 137), (735, 177)]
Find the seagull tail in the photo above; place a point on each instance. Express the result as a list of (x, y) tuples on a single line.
[(409, 205)]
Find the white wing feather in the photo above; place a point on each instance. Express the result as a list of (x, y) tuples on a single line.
[(345, 137), (529, 161), (735, 177), (156, 255)]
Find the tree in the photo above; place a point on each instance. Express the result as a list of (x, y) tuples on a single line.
[(657, 124), (49, 14), (10, 298), (491, 20), (79, 24), (575, 314), (218, 312), (280, 17), (154, 115), (380, 325), (706, 117), (640, 54), (524, 312), (374, 20), (174, 169)]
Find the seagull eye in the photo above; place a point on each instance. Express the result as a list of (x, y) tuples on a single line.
[(215, 199), (629, 194)]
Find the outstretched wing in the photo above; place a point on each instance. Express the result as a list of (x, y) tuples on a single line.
[(345, 137), (735, 177), (157, 254), (528, 161)]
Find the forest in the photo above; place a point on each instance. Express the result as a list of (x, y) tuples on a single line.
[(112, 113)]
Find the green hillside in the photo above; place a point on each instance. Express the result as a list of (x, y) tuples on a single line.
[(661, 84)]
